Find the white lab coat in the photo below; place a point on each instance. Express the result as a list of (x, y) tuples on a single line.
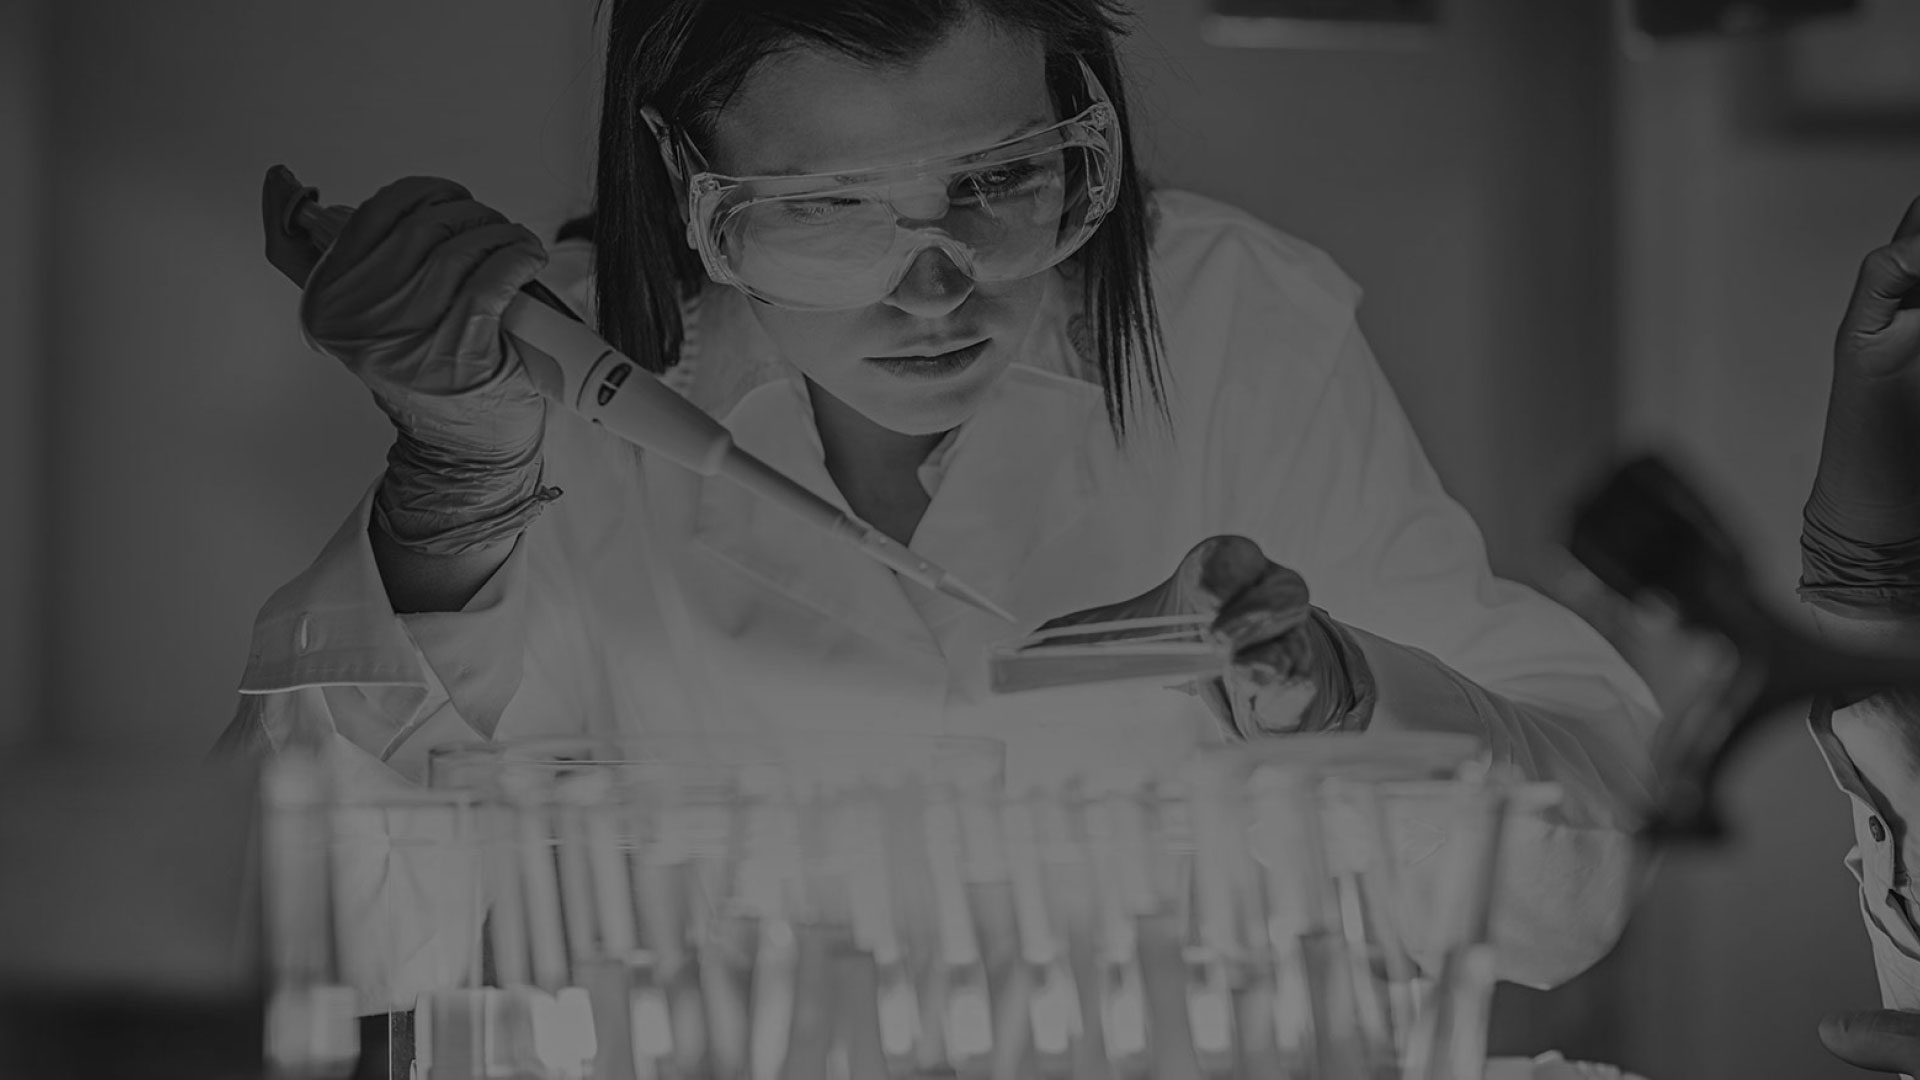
[(1889, 900), (646, 600)]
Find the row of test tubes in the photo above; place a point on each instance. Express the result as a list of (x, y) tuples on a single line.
[(868, 909)]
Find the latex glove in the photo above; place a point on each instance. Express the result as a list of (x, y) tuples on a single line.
[(409, 298), (1860, 545), (1883, 1040), (1294, 668)]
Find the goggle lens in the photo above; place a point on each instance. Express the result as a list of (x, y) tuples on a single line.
[(849, 247), (835, 242)]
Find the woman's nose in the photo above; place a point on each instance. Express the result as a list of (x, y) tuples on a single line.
[(934, 286), (926, 201)]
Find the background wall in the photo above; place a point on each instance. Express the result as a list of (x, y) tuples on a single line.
[(23, 100), (198, 454), (1564, 251)]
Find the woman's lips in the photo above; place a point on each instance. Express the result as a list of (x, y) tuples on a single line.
[(931, 367)]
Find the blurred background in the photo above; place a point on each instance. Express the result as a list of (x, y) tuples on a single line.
[(1576, 240)]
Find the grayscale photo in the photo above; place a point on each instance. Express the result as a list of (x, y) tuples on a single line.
[(960, 539)]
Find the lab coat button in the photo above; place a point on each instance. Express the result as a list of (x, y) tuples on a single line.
[(1878, 830), (302, 636)]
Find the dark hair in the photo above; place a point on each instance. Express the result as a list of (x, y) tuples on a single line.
[(686, 59)]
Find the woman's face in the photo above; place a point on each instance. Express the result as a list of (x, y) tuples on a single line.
[(813, 111)]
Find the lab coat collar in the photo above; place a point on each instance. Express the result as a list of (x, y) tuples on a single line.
[(333, 624), (1018, 473)]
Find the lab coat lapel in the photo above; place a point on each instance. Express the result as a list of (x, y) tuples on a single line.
[(767, 543)]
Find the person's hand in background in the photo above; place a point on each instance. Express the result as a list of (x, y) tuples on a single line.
[(1860, 542), (1882, 1040), (1880, 334), (1294, 668), (1860, 568)]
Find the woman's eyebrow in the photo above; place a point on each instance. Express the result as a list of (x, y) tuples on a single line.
[(1033, 124)]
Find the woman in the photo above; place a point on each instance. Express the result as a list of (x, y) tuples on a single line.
[(1061, 387)]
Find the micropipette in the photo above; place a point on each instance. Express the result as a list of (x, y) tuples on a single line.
[(572, 365)]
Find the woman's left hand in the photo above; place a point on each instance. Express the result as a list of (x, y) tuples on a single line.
[(1294, 668)]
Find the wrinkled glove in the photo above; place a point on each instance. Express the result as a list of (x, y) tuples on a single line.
[(1294, 668), (1860, 541), (409, 298)]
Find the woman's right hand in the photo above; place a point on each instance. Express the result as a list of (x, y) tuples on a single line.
[(409, 298)]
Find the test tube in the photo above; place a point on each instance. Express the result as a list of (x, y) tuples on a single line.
[(312, 1031)]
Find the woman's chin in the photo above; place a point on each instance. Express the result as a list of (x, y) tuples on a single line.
[(917, 403), (926, 418)]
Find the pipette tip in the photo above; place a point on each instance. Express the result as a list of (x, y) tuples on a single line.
[(968, 595), (907, 564)]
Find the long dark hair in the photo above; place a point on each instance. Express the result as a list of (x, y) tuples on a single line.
[(686, 58)]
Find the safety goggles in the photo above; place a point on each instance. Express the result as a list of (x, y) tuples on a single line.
[(830, 241)]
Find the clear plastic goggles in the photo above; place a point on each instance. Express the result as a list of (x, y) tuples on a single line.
[(830, 241)]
